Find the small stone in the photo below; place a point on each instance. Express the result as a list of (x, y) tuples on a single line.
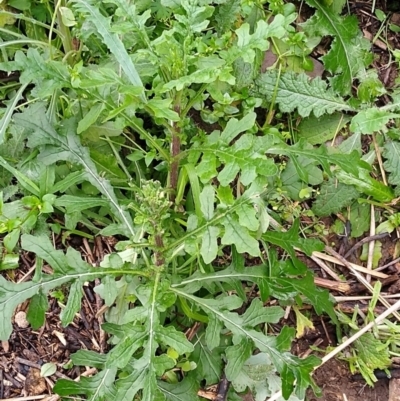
[(20, 320)]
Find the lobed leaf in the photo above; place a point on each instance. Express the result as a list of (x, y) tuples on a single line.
[(114, 44), (371, 120), (347, 57), (293, 91)]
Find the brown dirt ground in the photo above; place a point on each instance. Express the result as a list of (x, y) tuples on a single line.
[(337, 384)]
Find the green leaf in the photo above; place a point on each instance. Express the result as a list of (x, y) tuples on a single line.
[(185, 390), (237, 235), (260, 377), (66, 268), (89, 358), (90, 118), (391, 152), (207, 199), (247, 216), (293, 91), (37, 309), (68, 147), (371, 354), (209, 362), (122, 353), (237, 355), (348, 54), (161, 109), (351, 163), (9, 261), (226, 14), (290, 239), (209, 244), (173, 338), (234, 127), (73, 304), (285, 363), (5, 120), (75, 204), (48, 369), (114, 44), (333, 196), (257, 314), (67, 182), (371, 120), (67, 16), (97, 388), (23, 180), (367, 185), (319, 130)]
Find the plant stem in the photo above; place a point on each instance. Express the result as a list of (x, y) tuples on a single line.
[(175, 150)]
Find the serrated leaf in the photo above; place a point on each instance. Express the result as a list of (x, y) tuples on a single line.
[(13, 294), (209, 362), (367, 185), (333, 196), (247, 216), (121, 354), (161, 109), (351, 163), (256, 314), (173, 338), (89, 358), (297, 91), (285, 363), (97, 388), (372, 355), (346, 58), (371, 120), (237, 355), (319, 130), (239, 236), (290, 239), (226, 14), (43, 248)]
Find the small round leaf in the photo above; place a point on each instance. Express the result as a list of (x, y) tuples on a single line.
[(48, 369)]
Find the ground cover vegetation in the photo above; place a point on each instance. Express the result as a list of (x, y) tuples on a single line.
[(158, 123)]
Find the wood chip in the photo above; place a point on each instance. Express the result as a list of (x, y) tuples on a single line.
[(35, 384)]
